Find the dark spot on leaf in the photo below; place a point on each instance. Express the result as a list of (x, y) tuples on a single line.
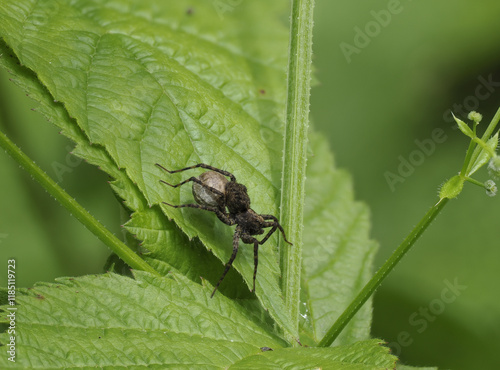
[(265, 349), (262, 91)]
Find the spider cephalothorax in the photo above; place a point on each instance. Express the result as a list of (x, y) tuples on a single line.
[(229, 200)]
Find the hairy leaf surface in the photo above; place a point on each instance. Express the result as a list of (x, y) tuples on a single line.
[(369, 355), (112, 320), (155, 82), (135, 83)]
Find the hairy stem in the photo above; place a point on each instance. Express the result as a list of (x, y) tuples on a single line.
[(381, 274), (295, 147), (124, 252)]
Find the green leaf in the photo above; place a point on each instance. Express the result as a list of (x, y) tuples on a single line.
[(167, 83), (134, 84), (56, 113), (484, 155), (466, 130), (406, 367), (161, 322), (338, 253), (116, 321), (369, 355)]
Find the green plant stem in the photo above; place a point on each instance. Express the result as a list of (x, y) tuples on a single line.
[(492, 126), (468, 156), (475, 182), (381, 274), (124, 252), (295, 149)]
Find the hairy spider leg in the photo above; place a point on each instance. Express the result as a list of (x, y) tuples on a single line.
[(255, 261), (220, 212), (236, 241), (249, 239), (201, 165), (196, 180), (221, 215), (275, 225)]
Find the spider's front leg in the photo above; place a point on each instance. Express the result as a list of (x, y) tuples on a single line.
[(221, 215), (236, 241), (248, 239), (201, 165), (275, 225), (191, 179)]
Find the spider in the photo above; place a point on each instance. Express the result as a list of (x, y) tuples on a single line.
[(229, 200)]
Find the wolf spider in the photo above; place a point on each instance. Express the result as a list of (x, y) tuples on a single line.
[(229, 200)]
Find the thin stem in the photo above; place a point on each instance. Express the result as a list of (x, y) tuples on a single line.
[(295, 149), (381, 274), (482, 144), (468, 156), (475, 182), (491, 127), (124, 252), (470, 151)]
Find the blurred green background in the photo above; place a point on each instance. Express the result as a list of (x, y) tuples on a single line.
[(376, 95), (420, 58)]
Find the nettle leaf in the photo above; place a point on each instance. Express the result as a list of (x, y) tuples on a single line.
[(135, 83), (369, 355), (157, 322), (406, 367), (170, 83), (338, 255), (163, 240), (112, 320)]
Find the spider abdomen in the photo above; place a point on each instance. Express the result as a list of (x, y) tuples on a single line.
[(203, 195)]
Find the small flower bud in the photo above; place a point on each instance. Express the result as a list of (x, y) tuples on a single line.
[(474, 116), (491, 188)]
